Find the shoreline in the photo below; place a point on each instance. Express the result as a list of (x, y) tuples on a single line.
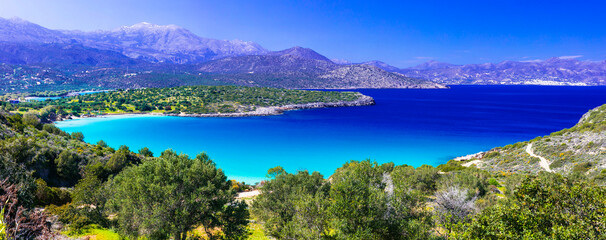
[(362, 100)]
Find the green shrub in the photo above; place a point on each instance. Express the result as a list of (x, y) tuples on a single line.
[(492, 154), (557, 163), (78, 136), (494, 182), (46, 195), (451, 165), (582, 167)]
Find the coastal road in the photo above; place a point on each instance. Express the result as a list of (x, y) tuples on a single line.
[(544, 163)]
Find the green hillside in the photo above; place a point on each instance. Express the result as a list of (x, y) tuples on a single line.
[(579, 149)]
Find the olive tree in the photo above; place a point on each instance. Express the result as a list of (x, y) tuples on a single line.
[(170, 195)]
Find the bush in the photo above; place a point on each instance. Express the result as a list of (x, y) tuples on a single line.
[(451, 165), (557, 164), (46, 195), (78, 136), (67, 166), (182, 193), (494, 182), (492, 154), (546, 206), (582, 167), (18, 221)]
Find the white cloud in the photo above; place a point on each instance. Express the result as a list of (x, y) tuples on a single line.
[(570, 57), (533, 60)]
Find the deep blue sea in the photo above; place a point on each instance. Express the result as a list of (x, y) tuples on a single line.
[(406, 126)]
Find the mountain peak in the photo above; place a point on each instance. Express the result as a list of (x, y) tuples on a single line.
[(146, 26), (381, 65), (300, 52), (432, 64)]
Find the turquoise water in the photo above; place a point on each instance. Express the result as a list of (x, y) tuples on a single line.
[(412, 127)]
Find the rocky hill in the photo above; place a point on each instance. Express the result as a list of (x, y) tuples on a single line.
[(580, 149), (304, 68)]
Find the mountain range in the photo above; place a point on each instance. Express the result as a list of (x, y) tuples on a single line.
[(145, 41), (553, 71), (147, 55), (153, 51)]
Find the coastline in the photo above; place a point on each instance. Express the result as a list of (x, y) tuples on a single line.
[(362, 100)]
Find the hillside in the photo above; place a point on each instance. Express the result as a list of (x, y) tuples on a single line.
[(304, 68), (579, 149)]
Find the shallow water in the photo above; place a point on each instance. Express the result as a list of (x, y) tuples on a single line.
[(412, 127)]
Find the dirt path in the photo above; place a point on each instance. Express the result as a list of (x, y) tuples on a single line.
[(544, 163), (248, 194)]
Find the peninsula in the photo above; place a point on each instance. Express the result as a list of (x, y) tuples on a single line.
[(191, 101)]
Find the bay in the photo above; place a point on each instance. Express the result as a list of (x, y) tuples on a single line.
[(406, 126)]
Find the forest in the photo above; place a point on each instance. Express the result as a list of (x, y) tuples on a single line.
[(188, 100), (54, 183)]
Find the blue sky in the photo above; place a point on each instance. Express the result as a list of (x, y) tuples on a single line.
[(401, 33)]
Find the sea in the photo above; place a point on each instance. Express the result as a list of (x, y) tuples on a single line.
[(406, 126)]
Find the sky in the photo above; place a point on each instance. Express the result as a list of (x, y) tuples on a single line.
[(400, 33)]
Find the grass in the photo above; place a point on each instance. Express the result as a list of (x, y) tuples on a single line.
[(97, 233), (257, 233)]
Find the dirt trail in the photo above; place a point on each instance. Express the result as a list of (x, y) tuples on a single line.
[(544, 163)]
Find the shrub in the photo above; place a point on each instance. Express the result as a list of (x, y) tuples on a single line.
[(46, 195), (494, 182), (582, 167), (557, 163), (19, 222), (78, 136)]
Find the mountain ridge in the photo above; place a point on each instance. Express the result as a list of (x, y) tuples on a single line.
[(146, 41), (305, 68), (552, 71)]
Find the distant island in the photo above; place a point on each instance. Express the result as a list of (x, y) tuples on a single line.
[(193, 101)]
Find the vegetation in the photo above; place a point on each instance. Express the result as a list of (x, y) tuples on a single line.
[(116, 193), (365, 200), (191, 193), (190, 100), (88, 185), (580, 149)]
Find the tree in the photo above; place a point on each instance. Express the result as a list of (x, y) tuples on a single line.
[(78, 136), (31, 119), (274, 172), (146, 152), (90, 195), (293, 206), (367, 203), (67, 165), (101, 144), (121, 159), (547, 206), (170, 195), (234, 219)]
